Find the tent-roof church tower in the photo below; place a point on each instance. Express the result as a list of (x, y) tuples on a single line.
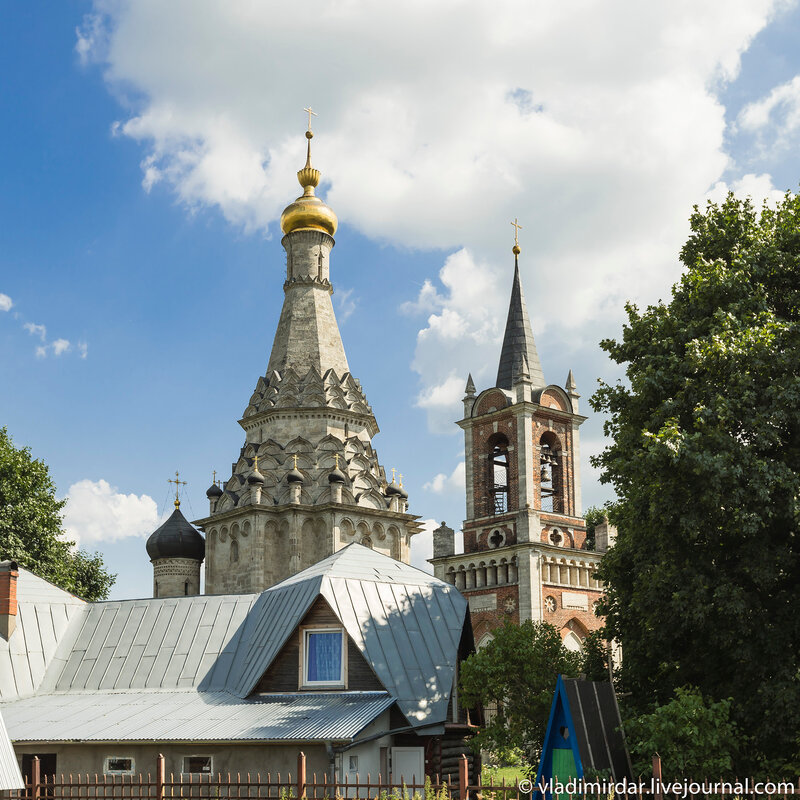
[(307, 480)]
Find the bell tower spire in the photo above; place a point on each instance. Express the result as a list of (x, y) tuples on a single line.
[(518, 340)]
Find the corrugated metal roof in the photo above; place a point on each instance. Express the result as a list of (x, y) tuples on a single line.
[(166, 643), (407, 624), (44, 613), (192, 716), (10, 777)]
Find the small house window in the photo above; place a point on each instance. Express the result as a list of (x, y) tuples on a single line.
[(115, 765), (323, 661), (197, 765), (234, 551)]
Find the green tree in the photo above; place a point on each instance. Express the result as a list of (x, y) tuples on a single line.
[(514, 677), (30, 526), (694, 736), (705, 459), (594, 516)]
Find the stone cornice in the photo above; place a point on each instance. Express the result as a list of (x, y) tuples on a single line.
[(318, 412), (409, 520), (508, 551), (520, 408)]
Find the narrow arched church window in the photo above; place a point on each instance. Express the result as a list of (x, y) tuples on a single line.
[(551, 480), (234, 551), (498, 474), (186, 588)]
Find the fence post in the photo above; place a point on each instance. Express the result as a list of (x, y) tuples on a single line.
[(463, 777), (36, 778), (161, 775), (657, 775), (301, 776)]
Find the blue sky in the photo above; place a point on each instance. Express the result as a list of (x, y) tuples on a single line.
[(148, 150)]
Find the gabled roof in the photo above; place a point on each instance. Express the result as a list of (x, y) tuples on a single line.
[(585, 719), (518, 342), (44, 613), (406, 623)]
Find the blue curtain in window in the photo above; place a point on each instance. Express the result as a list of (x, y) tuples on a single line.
[(325, 656)]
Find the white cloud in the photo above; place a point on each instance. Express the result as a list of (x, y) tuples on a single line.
[(5, 302), (599, 130), (61, 346), (422, 545), (91, 38), (758, 187), (454, 483), (57, 347), (99, 512), (345, 304), (776, 117), (36, 330)]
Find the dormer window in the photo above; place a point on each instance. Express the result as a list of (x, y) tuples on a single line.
[(323, 658)]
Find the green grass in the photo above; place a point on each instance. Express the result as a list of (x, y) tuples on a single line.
[(511, 774)]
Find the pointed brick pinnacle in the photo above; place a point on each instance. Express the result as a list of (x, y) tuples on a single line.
[(570, 385), (518, 340)]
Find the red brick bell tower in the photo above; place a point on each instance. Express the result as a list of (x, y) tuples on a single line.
[(524, 535)]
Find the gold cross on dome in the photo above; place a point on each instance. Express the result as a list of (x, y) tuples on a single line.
[(178, 483), (401, 480), (310, 111), (295, 460), (255, 463), (517, 229), (336, 459), (393, 471), (214, 480)]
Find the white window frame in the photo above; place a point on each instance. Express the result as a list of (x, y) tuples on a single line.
[(304, 681), (108, 771), (210, 758)]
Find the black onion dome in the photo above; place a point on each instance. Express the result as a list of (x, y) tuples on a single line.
[(336, 476), (176, 538), (295, 476), (393, 489), (213, 491), (255, 477), (402, 492)]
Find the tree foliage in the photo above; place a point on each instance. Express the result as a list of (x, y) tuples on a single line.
[(30, 526), (705, 460), (594, 516), (694, 736), (514, 677)]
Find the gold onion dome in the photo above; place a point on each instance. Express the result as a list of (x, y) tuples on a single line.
[(308, 211)]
